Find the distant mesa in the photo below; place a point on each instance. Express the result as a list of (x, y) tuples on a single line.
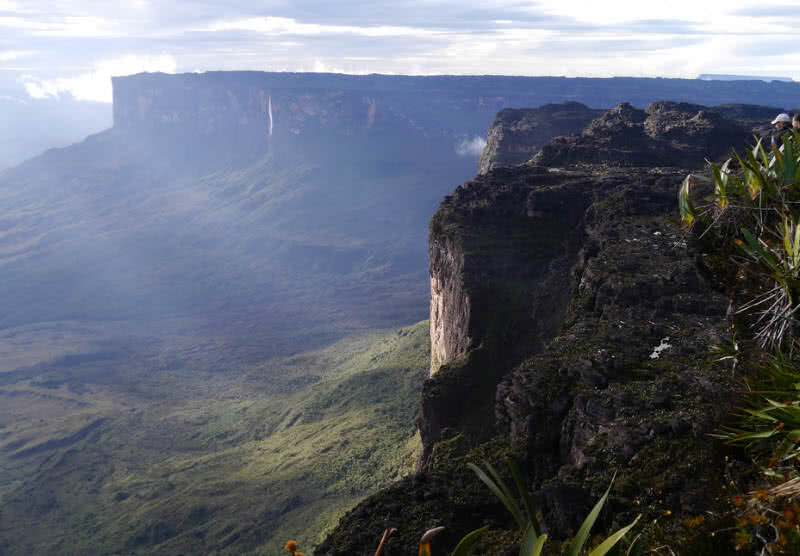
[(248, 105)]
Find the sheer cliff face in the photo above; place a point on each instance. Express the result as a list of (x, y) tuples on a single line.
[(246, 108), (501, 250), (450, 305), (263, 105), (500, 253), (587, 354), (465, 258)]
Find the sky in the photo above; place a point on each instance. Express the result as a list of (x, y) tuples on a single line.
[(50, 48)]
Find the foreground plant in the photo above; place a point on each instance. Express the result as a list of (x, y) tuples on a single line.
[(770, 428), (753, 219), (767, 521), (754, 213), (533, 539)]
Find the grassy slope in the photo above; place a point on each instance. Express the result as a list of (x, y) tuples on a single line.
[(234, 462)]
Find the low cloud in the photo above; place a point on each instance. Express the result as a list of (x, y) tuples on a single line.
[(470, 147), (96, 85)]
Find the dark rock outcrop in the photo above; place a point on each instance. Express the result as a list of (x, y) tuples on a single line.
[(570, 318), (518, 134), (627, 385), (501, 250), (614, 377), (665, 134)]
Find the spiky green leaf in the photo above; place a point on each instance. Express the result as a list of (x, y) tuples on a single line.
[(531, 544), (613, 539), (583, 533), (499, 489), (685, 203), (524, 495), (463, 546)]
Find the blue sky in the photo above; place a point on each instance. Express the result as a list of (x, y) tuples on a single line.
[(56, 47)]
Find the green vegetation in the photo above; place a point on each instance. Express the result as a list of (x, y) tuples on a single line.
[(751, 241), (171, 458), (464, 545), (754, 218), (533, 540)]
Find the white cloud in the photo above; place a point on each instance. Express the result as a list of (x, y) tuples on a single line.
[(96, 85), (290, 26), (471, 147), (354, 67), (626, 11), (710, 16), (71, 26)]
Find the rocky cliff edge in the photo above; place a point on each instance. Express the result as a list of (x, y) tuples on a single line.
[(571, 325)]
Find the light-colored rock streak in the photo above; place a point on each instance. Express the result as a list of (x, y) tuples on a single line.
[(438, 350)]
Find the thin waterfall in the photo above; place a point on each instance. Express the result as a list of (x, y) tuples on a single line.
[(269, 111)]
